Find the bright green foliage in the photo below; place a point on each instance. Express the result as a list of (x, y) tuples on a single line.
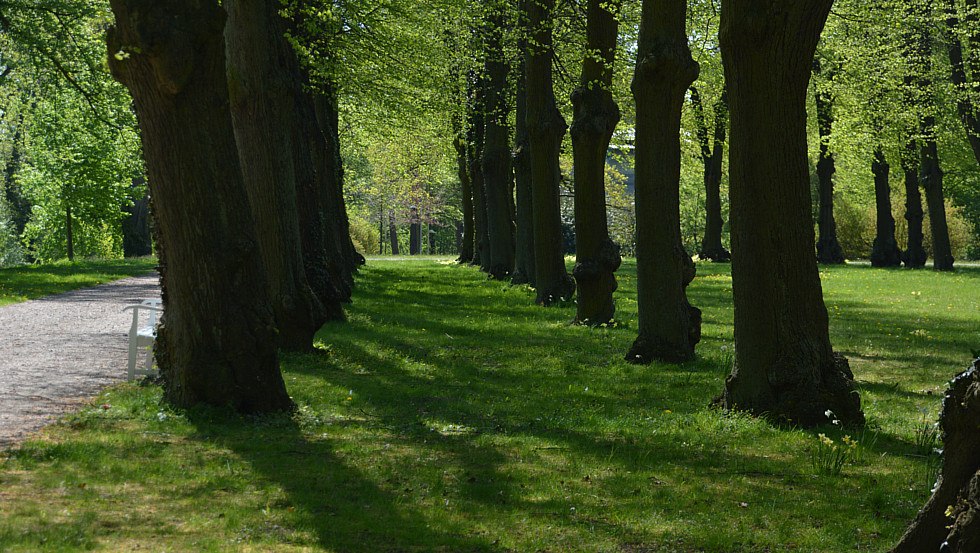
[(468, 420)]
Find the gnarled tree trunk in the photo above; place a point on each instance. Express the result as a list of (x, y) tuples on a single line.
[(259, 87), (546, 129), (669, 326), (950, 520), (596, 117), (785, 367), (884, 252), (712, 158), (216, 344), (914, 256), (829, 251), (476, 134)]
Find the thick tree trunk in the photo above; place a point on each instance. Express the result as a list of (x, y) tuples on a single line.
[(950, 520), (785, 367), (914, 256), (596, 117), (259, 90), (477, 127), (931, 177), (829, 251), (69, 233), (414, 232), (884, 252), (712, 159), (546, 129), (466, 190), (216, 344), (669, 326), (967, 109), (524, 254), (496, 163)]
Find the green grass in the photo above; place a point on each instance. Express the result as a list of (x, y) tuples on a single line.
[(30, 282), (450, 415)]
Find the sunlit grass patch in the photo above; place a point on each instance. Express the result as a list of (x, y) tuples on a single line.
[(30, 282)]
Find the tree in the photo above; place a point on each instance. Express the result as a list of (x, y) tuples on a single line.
[(784, 364), (596, 117), (884, 252), (216, 344), (828, 247), (712, 157), (260, 100), (950, 520), (669, 326), (524, 271), (546, 129)]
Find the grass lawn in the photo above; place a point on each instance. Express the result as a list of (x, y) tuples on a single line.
[(29, 282), (451, 415)]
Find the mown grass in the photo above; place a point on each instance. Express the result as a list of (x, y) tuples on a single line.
[(29, 282), (450, 414)]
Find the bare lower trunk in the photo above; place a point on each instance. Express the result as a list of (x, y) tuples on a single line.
[(931, 176), (914, 256), (496, 162), (259, 88), (393, 234), (829, 251), (216, 344), (465, 245), (950, 520), (481, 240), (69, 233), (546, 129), (785, 367), (524, 253), (596, 117), (669, 326), (414, 233), (712, 157), (885, 252)]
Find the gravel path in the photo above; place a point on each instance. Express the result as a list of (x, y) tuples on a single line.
[(59, 350)]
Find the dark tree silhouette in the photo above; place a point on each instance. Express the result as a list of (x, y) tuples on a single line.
[(712, 157)]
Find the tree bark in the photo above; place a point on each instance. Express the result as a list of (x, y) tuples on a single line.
[(69, 233), (546, 129), (216, 344), (950, 520), (884, 252), (669, 326), (496, 162), (596, 117), (785, 367), (829, 251), (414, 232), (931, 177), (967, 110), (466, 191), (914, 256), (524, 255), (477, 127), (712, 158), (259, 93), (137, 240)]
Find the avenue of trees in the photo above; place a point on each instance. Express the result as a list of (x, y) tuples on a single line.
[(278, 142)]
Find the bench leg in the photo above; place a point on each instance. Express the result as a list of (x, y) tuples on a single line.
[(133, 352)]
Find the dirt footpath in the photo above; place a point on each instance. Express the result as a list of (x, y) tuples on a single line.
[(59, 350)]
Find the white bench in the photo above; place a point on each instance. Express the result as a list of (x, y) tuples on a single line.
[(142, 336)]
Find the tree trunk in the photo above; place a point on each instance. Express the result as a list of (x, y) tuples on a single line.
[(137, 240), (950, 520), (481, 240), (829, 251), (524, 254), (596, 117), (496, 163), (216, 344), (712, 159), (466, 189), (69, 233), (414, 232), (931, 176), (393, 234), (259, 93), (669, 326), (785, 367), (968, 112), (914, 256), (885, 252), (546, 129)]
